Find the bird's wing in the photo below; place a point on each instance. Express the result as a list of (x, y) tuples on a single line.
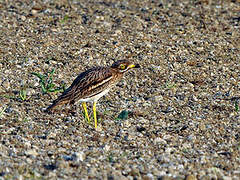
[(92, 80)]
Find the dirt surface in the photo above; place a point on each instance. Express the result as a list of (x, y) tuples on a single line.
[(179, 112)]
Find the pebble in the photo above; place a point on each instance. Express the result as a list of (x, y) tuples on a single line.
[(34, 11), (159, 140), (6, 84), (30, 91), (32, 152), (81, 156), (166, 178), (190, 177), (107, 148), (23, 18), (226, 178)]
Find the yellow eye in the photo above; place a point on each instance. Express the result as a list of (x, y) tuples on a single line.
[(122, 66)]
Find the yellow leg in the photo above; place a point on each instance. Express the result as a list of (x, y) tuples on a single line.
[(95, 114), (85, 111)]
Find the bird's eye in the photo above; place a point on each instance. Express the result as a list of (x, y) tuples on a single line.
[(122, 66)]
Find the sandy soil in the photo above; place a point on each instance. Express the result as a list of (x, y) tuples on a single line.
[(180, 110)]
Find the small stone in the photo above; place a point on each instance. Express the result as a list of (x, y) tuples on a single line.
[(158, 98), (130, 178), (20, 177), (23, 18), (30, 91), (134, 172), (99, 128), (226, 178), (191, 138), (190, 177), (31, 152), (149, 176), (107, 148), (158, 173), (165, 178), (34, 11), (80, 156), (117, 33), (159, 140), (118, 175), (36, 84), (29, 160), (52, 135), (199, 49), (28, 144), (6, 84), (127, 124)]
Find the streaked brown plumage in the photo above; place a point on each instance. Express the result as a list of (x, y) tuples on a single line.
[(93, 84)]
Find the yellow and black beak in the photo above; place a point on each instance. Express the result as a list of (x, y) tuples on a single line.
[(134, 66)]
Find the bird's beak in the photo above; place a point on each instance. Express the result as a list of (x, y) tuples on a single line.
[(134, 66)]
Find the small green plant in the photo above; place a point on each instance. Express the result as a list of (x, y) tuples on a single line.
[(100, 116), (46, 82), (124, 154), (169, 85), (185, 150), (123, 115), (65, 18), (23, 94), (2, 111), (9, 96), (236, 106), (26, 119), (110, 158), (106, 112)]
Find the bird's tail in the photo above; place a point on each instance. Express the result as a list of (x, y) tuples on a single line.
[(50, 108), (59, 101), (53, 106)]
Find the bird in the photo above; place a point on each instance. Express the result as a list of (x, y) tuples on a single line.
[(91, 85)]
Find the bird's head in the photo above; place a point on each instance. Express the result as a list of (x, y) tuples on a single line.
[(124, 65)]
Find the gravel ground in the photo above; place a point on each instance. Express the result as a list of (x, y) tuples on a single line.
[(180, 110)]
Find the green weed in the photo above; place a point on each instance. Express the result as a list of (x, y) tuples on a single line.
[(106, 112), (23, 94), (2, 111), (123, 115), (25, 120), (110, 158), (9, 97), (46, 82), (236, 106), (65, 18), (185, 150), (170, 85)]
